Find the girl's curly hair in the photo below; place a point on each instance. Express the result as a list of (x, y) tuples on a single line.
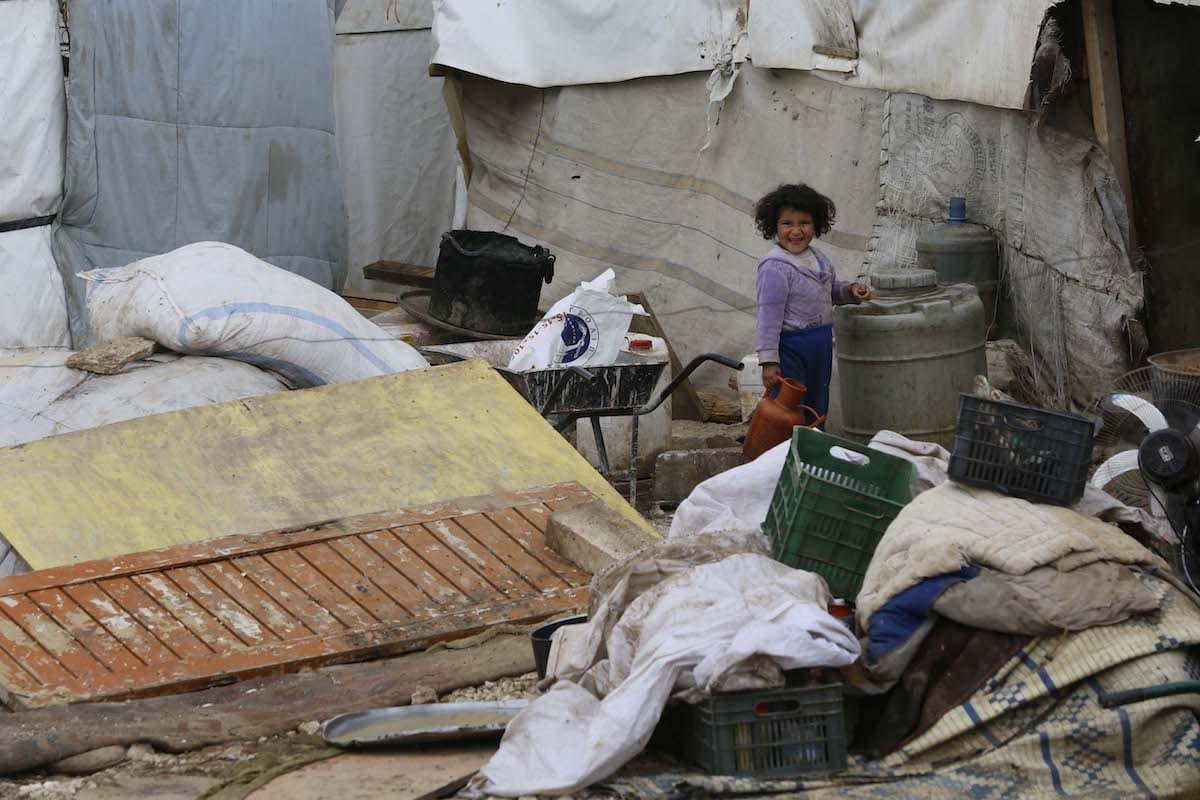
[(800, 197)]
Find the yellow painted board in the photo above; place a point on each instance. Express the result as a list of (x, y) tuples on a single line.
[(279, 461)]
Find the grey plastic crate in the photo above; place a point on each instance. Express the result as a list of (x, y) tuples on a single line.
[(778, 733)]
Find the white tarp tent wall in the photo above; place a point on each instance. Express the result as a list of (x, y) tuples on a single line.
[(33, 309), (193, 121), (395, 144), (616, 163)]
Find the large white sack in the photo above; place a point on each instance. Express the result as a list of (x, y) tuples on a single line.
[(33, 304), (32, 108), (211, 298), (40, 396)]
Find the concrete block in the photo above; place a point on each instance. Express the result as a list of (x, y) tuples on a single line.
[(111, 356), (678, 472), (593, 535)]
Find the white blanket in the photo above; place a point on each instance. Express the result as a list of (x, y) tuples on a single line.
[(691, 630), (948, 527)]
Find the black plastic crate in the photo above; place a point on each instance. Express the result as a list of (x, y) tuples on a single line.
[(778, 733), (1020, 450)]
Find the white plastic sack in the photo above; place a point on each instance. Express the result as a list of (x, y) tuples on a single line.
[(33, 110), (211, 298), (586, 327), (33, 304), (40, 396), (691, 630)]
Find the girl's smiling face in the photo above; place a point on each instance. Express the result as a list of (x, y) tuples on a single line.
[(794, 230)]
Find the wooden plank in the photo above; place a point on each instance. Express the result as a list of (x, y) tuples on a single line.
[(86, 630), (400, 272), (36, 662), (685, 403), (274, 582), (169, 631), (533, 542), (506, 547), (339, 592), (320, 589), (257, 602), (485, 562), (446, 564), (230, 612), (249, 709), (203, 625), (392, 582), (1104, 82), (123, 627), (354, 583), (388, 545), (317, 454)]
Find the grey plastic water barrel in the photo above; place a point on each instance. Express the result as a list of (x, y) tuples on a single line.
[(905, 355), (961, 252)]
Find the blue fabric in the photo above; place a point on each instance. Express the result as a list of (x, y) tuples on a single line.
[(807, 356), (892, 625)]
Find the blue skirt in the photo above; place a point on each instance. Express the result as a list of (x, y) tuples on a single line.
[(807, 356)]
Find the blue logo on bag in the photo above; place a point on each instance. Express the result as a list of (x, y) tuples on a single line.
[(577, 336)]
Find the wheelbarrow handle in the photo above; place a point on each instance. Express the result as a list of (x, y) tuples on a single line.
[(687, 371)]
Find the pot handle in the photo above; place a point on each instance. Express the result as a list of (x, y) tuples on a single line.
[(540, 252)]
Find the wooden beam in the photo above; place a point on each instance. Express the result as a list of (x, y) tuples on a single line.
[(1104, 80), (400, 272), (685, 403)]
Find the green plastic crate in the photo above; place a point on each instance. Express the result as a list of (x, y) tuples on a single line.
[(828, 515), (776, 733)]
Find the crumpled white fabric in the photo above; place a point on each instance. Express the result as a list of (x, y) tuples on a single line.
[(734, 500), (692, 629)]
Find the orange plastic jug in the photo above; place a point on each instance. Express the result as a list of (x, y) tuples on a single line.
[(774, 418)]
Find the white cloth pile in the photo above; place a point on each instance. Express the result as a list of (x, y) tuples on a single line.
[(692, 617)]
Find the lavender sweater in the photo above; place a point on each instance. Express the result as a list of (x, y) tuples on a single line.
[(795, 293)]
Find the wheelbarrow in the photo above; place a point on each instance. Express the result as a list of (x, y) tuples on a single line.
[(564, 395)]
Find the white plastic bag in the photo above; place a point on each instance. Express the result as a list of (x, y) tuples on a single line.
[(215, 299), (587, 327)]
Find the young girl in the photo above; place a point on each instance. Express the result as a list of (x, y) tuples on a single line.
[(797, 290)]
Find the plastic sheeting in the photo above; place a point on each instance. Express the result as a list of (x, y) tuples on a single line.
[(33, 307), (395, 143), (613, 175), (1054, 201), (196, 121), (976, 51), (567, 42), (968, 51), (617, 175), (31, 105)]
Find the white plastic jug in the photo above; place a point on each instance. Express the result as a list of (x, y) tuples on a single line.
[(749, 385)]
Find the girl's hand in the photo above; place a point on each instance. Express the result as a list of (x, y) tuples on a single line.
[(771, 376), (860, 292)]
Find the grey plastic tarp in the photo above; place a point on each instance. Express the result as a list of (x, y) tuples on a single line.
[(395, 143), (199, 120)]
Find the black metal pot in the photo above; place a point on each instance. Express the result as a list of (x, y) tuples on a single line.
[(489, 282)]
